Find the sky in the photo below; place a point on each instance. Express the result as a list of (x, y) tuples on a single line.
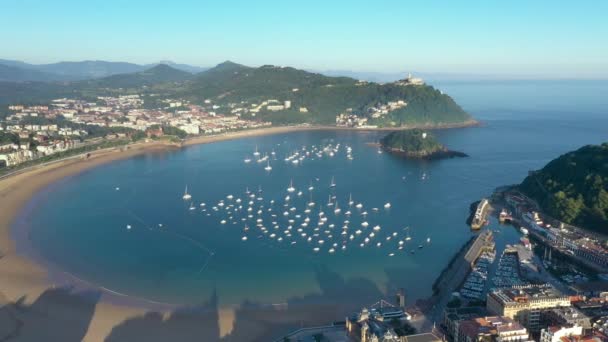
[(534, 38)]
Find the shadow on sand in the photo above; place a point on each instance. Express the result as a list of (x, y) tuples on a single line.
[(59, 314), (253, 321)]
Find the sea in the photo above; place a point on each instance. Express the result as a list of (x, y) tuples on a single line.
[(124, 226)]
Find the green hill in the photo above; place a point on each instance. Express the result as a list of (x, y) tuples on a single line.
[(416, 143), (574, 187), (324, 97)]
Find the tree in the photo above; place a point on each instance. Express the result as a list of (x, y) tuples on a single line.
[(565, 207)]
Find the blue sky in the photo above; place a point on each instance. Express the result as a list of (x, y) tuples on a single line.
[(557, 38)]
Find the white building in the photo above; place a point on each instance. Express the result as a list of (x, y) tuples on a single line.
[(555, 334)]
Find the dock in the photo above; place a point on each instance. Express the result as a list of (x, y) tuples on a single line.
[(479, 218)]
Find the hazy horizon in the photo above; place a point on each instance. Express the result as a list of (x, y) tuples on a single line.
[(373, 75)]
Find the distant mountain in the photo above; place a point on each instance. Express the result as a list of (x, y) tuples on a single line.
[(158, 74), (90, 69), (184, 67), (13, 73), (574, 187)]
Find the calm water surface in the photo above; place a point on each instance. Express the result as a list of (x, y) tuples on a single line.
[(80, 223)]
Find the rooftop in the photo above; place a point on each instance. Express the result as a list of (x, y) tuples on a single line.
[(528, 293)]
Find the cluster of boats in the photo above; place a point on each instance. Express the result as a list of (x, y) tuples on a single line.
[(297, 218), (300, 155), (507, 272), (474, 286)]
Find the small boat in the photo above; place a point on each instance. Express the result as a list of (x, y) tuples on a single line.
[(186, 196), (332, 184), (291, 188), (247, 160), (268, 167), (350, 200), (428, 240), (256, 153), (244, 238), (128, 226), (387, 205)]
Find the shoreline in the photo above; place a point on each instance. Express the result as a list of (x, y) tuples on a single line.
[(26, 277)]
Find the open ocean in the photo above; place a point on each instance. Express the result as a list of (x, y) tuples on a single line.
[(80, 223)]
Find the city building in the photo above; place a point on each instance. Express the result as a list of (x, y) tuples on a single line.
[(567, 316), (380, 323), (452, 317), (558, 333), (525, 303), (495, 328)]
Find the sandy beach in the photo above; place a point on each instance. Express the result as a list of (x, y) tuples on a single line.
[(31, 303)]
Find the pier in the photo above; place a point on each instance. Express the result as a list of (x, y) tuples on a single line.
[(479, 218), (456, 272)]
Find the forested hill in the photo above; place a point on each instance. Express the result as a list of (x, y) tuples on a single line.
[(574, 187), (324, 97)]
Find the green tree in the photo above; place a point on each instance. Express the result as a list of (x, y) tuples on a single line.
[(565, 207)]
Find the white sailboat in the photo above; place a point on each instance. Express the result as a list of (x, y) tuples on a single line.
[(350, 200), (256, 152), (291, 188), (332, 184), (268, 167), (186, 196)]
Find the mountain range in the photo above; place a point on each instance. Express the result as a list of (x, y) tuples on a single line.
[(17, 71)]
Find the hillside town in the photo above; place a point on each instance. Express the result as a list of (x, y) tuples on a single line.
[(36, 131)]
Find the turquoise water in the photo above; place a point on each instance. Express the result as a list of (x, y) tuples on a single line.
[(80, 224)]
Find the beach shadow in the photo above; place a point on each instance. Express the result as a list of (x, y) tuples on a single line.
[(253, 321), (338, 299), (58, 314), (197, 323)]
